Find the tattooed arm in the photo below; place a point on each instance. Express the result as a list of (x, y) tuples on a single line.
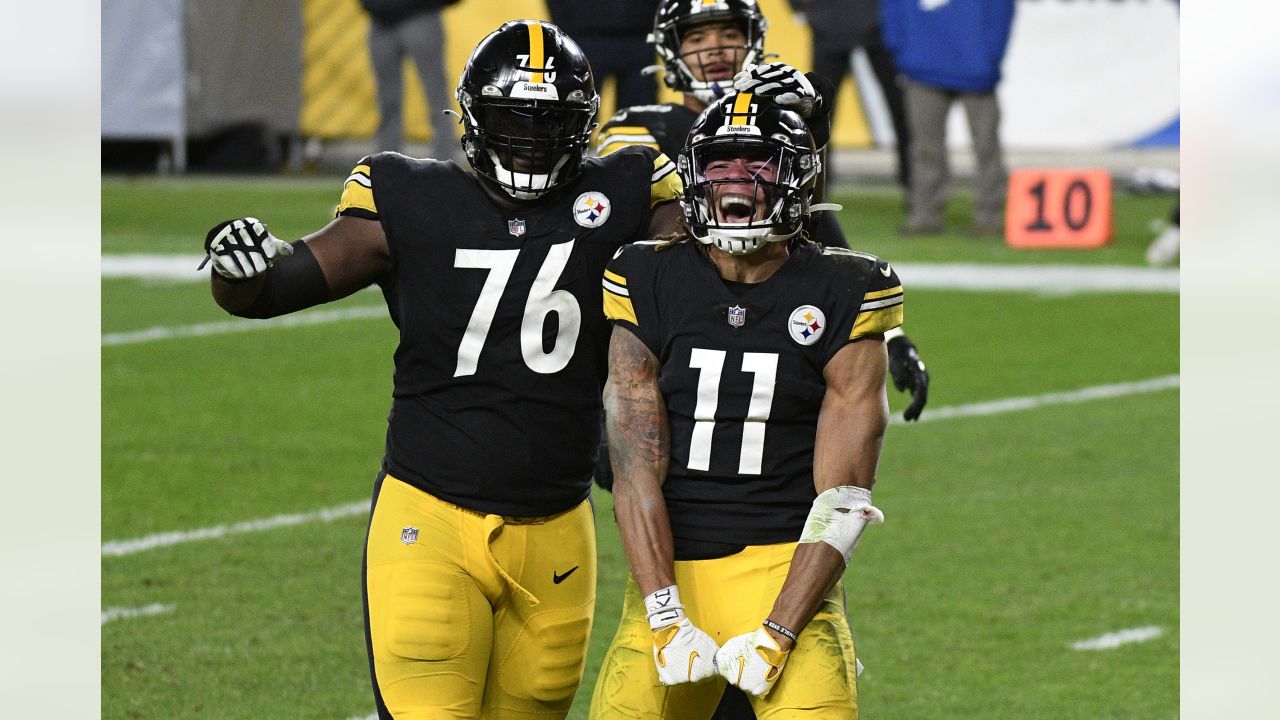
[(639, 448)]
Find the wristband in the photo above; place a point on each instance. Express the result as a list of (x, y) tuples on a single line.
[(663, 607), (779, 629)]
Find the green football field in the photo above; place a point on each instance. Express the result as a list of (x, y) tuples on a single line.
[(1033, 511)]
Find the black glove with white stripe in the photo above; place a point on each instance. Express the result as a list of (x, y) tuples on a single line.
[(908, 373), (241, 249), (780, 83)]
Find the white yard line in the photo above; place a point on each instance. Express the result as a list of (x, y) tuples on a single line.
[(1113, 640), (115, 613), (1031, 402), (1054, 279), (315, 317), (120, 548)]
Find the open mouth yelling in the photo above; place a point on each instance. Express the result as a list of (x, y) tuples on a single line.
[(736, 208)]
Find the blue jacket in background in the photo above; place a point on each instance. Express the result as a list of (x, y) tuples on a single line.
[(954, 44)]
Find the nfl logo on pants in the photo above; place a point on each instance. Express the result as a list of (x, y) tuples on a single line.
[(409, 535)]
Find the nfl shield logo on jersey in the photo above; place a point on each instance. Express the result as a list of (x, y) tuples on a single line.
[(806, 324), (737, 316), (591, 209), (409, 535), (515, 227)]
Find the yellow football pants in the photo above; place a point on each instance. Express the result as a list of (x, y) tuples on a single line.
[(470, 615), (726, 597)]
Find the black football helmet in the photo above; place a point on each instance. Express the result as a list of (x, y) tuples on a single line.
[(528, 108), (749, 168), (675, 17)]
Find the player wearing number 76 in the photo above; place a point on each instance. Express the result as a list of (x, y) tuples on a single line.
[(479, 573), (746, 410)]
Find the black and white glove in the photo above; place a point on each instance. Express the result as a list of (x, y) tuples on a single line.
[(780, 83), (242, 248), (908, 373)]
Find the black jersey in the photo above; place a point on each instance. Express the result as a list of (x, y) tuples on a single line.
[(503, 344), (664, 127), (742, 377)]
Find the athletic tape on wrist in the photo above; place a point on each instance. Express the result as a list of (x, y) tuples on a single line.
[(838, 518), (780, 629), (663, 607)]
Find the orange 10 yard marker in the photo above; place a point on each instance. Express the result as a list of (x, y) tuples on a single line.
[(1057, 208)]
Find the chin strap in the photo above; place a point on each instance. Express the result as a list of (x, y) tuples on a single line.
[(819, 207)]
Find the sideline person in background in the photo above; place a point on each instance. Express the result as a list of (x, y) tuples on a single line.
[(839, 28), (746, 412), (480, 561), (950, 51), (412, 29), (612, 34)]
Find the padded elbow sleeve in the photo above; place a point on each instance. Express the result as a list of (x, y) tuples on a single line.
[(292, 283)]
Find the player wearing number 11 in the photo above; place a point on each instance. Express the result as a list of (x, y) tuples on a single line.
[(479, 578), (745, 409)]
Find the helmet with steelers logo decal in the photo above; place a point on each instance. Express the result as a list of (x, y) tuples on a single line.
[(749, 170), (529, 104)]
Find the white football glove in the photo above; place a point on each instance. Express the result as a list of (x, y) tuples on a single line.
[(681, 651), (781, 83), (752, 662), (241, 249)]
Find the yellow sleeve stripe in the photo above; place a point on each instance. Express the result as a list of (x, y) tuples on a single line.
[(668, 187), (357, 192), (896, 290), (662, 172), (615, 277), (876, 321), (617, 307), (536, 57), (626, 130), (615, 144), (661, 160)]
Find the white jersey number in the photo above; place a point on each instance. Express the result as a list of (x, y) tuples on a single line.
[(543, 300), (710, 364)]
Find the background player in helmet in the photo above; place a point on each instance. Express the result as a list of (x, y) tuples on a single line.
[(479, 576), (746, 411)]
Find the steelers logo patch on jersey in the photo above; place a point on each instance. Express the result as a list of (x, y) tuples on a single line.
[(591, 209), (806, 324)]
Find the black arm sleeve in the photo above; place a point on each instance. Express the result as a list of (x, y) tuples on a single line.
[(820, 123), (293, 283)]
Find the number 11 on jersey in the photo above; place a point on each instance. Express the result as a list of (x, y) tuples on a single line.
[(710, 364)]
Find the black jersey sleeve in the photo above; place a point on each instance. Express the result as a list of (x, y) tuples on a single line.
[(357, 193), (629, 299)]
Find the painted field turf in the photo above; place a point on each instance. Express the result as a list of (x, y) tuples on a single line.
[(1009, 537)]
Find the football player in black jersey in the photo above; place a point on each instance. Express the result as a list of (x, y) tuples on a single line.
[(479, 572), (746, 411), (704, 46)]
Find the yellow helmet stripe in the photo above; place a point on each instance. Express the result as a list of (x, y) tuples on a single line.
[(536, 56), (742, 109)]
